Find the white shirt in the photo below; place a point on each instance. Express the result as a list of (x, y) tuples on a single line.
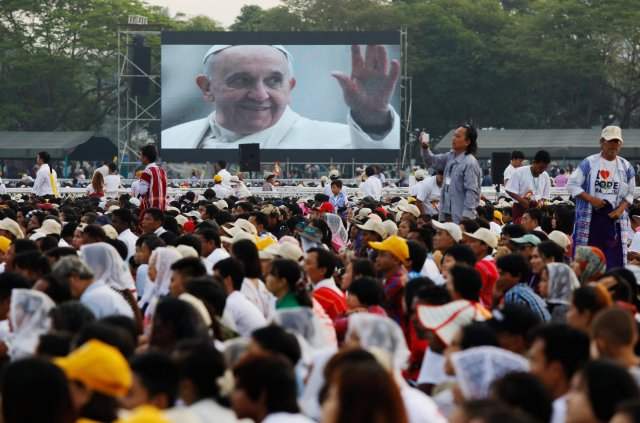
[(559, 410), (497, 229), (243, 313), (241, 190), (508, 172), (372, 187), (160, 231), (287, 418), (226, 178), (420, 407), (129, 238), (104, 301), (432, 369), (104, 169), (430, 269), (221, 192), (522, 182), (328, 283), (3, 188), (215, 256), (112, 183), (42, 185), (415, 188), (635, 244), (428, 192), (258, 295), (209, 411)]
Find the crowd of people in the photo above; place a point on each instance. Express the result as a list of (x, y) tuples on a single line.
[(226, 307)]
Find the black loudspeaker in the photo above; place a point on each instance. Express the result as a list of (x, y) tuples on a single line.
[(140, 58), (250, 157), (499, 162)]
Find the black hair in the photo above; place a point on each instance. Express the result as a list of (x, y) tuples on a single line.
[(542, 156), (337, 183), (589, 298), (369, 171), (466, 281), (478, 334), (534, 214), (549, 249), (289, 270), (269, 377), (515, 264), (417, 255), (462, 254), (517, 155), (231, 267), (70, 317), (363, 267), (152, 241), (35, 381), (54, 345), (10, 281), (95, 232), (631, 408), (434, 295), (565, 218), (469, 226), (607, 383), (210, 290), (472, 136), (150, 152), (222, 164), (202, 364), (261, 218), (523, 391), (157, 214), (112, 335), (425, 235), (48, 242), (564, 344), (513, 231), (246, 251), (44, 156), (190, 267), (158, 374), (176, 320), (368, 290), (413, 286), (276, 339), (23, 245), (211, 235), (324, 259), (191, 241)]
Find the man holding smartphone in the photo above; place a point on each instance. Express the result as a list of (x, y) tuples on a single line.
[(460, 194)]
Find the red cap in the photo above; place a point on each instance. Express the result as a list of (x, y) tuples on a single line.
[(326, 206), (189, 226), (382, 210)]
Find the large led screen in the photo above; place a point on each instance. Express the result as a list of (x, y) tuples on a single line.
[(299, 95)]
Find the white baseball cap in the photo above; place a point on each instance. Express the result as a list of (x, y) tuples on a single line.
[(612, 133), (450, 227)]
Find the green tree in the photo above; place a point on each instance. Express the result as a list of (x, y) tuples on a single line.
[(249, 19)]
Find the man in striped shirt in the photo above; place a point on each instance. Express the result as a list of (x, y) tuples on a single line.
[(152, 187)]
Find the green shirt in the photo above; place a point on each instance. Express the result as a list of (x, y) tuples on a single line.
[(288, 301)]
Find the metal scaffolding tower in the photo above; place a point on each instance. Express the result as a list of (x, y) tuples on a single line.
[(406, 133), (137, 114)]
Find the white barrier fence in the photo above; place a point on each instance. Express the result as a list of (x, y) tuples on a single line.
[(282, 191)]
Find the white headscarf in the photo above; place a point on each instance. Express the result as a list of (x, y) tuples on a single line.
[(107, 266), (562, 282), (477, 368), (29, 319), (339, 234), (382, 333), (304, 322), (164, 258)]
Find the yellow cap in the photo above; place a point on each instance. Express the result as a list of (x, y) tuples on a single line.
[(411, 200), (4, 243), (395, 245), (99, 366), (264, 243), (145, 414), (498, 215), (217, 178)]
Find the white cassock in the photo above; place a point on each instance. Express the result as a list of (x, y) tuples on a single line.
[(292, 132)]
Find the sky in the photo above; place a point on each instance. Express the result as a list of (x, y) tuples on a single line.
[(223, 11)]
